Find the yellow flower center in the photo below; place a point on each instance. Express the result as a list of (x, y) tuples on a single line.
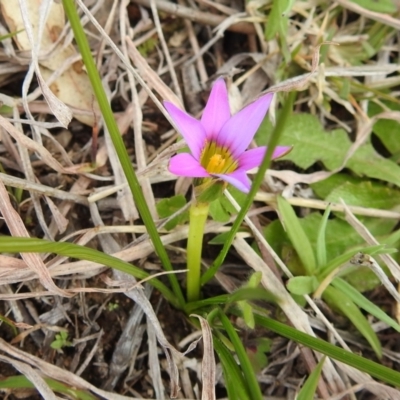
[(217, 159)]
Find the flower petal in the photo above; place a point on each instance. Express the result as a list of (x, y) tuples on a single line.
[(240, 129), (253, 158), (216, 112), (190, 128), (238, 178), (184, 164)]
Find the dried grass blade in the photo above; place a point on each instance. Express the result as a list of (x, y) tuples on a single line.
[(208, 366), (17, 228), (25, 369)]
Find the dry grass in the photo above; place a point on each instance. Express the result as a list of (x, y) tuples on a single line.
[(147, 51)]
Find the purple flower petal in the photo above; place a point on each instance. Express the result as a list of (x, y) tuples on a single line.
[(281, 151), (183, 164), (253, 158), (217, 111), (238, 178), (240, 129), (190, 128)]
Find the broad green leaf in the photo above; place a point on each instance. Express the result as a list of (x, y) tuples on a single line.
[(323, 188), (256, 353), (321, 242), (340, 301), (302, 285), (387, 130), (167, 207), (364, 303), (381, 6), (218, 212), (297, 235), (311, 144), (366, 194), (367, 162), (309, 388), (339, 235)]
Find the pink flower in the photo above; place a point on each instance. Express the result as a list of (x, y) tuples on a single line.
[(218, 142)]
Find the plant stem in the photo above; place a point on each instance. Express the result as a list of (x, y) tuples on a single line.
[(105, 108), (198, 216)]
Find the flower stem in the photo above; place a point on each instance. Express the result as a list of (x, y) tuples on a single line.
[(198, 216)]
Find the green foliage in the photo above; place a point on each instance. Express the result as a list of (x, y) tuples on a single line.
[(329, 239), (340, 301), (148, 46), (366, 194), (309, 388), (297, 236), (382, 6), (387, 130), (256, 353), (168, 207), (61, 341), (22, 382), (312, 144), (301, 285)]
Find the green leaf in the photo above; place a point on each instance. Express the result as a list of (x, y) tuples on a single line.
[(367, 162), (382, 6), (362, 302), (302, 285), (257, 355), (363, 364), (387, 130), (218, 212), (22, 382), (219, 239), (234, 381), (276, 22), (297, 235), (309, 388), (245, 364), (311, 144), (167, 207), (323, 188), (321, 242), (340, 301), (366, 194)]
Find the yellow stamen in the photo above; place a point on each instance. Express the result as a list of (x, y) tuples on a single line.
[(217, 159), (216, 164)]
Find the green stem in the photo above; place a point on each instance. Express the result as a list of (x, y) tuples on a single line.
[(118, 143), (198, 216)]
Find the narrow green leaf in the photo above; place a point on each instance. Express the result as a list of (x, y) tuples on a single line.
[(381, 6), (22, 382), (321, 242), (364, 303), (107, 113), (247, 369), (33, 245), (309, 388), (297, 235), (342, 302), (363, 364), (234, 381)]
